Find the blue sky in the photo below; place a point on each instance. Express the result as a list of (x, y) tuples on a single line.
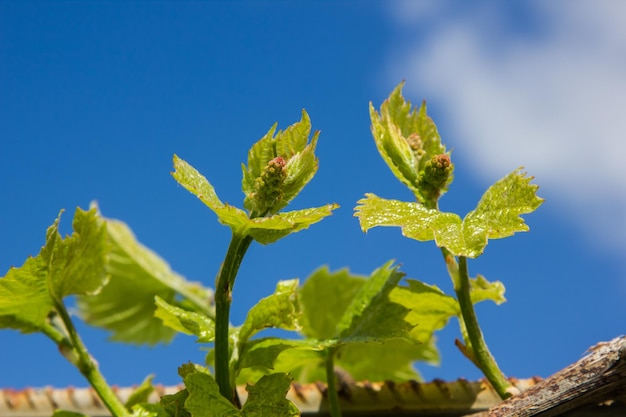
[(96, 97)]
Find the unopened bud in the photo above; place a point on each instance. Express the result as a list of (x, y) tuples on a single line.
[(435, 176), (268, 188)]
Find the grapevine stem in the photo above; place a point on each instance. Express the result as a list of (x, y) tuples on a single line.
[(223, 297), (88, 368), (331, 382), (482, 356)]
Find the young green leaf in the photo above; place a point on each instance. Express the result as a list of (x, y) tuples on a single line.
[(407, 139), (136, 270), (204, 398), (150, 410), (173, 404), (363, 304), (431, 308), (65, 266), (497, 215), (141, 393), (391, 360), (265, 230), (481, 290), (298, 158), (372, 316), (24, 299), (282, 355), (76, 264), (280, 310), (184, 321), (266, 398), (325, 296)]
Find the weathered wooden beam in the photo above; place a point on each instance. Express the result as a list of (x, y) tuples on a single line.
[(596, 379)]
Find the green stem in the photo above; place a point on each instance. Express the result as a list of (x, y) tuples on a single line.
[(331, 381), (223, 296), (482, 356), (88, 367)]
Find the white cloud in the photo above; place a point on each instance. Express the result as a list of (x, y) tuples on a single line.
[(552, 99)]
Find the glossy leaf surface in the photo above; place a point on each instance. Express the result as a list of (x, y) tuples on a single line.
[(497, 215)]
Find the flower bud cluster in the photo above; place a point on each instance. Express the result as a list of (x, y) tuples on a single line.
[(268, 188), (435, 176)]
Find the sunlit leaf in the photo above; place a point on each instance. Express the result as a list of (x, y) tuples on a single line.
[(204, 398), (66, 266), (280, 310), (325, 296), (267, 230), (263, 229), (125, 306), (263, 354), (372, 315), (150, 410), (184, 321), (141, 393), (430, 308), (481, 290), (406, 139), (391, 360), (266, 398), (496, 216), (77, 264), (291, 145), (173, 404)]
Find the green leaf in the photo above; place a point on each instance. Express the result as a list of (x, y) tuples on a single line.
[(498, 212), (173, 404), (481, 290), (76, 264), (141, 393), (325, 296), (263, 229), (372, 315), (267, 230), (496, 216), (391, 360), (24, 298), (406, 139), (184, 321), (291, 145), (430, 308), (367, 314), (196, 184), (204, 398), (65, 266), (266, 398), (280, 310), (150, 410), (136, 270), (263, 354)]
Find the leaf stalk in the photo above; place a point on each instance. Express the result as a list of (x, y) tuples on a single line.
[(88, 367), (223, 297), (331, 383), (482, 357)]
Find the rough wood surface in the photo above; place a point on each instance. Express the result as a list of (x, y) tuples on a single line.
[(599, 377)]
